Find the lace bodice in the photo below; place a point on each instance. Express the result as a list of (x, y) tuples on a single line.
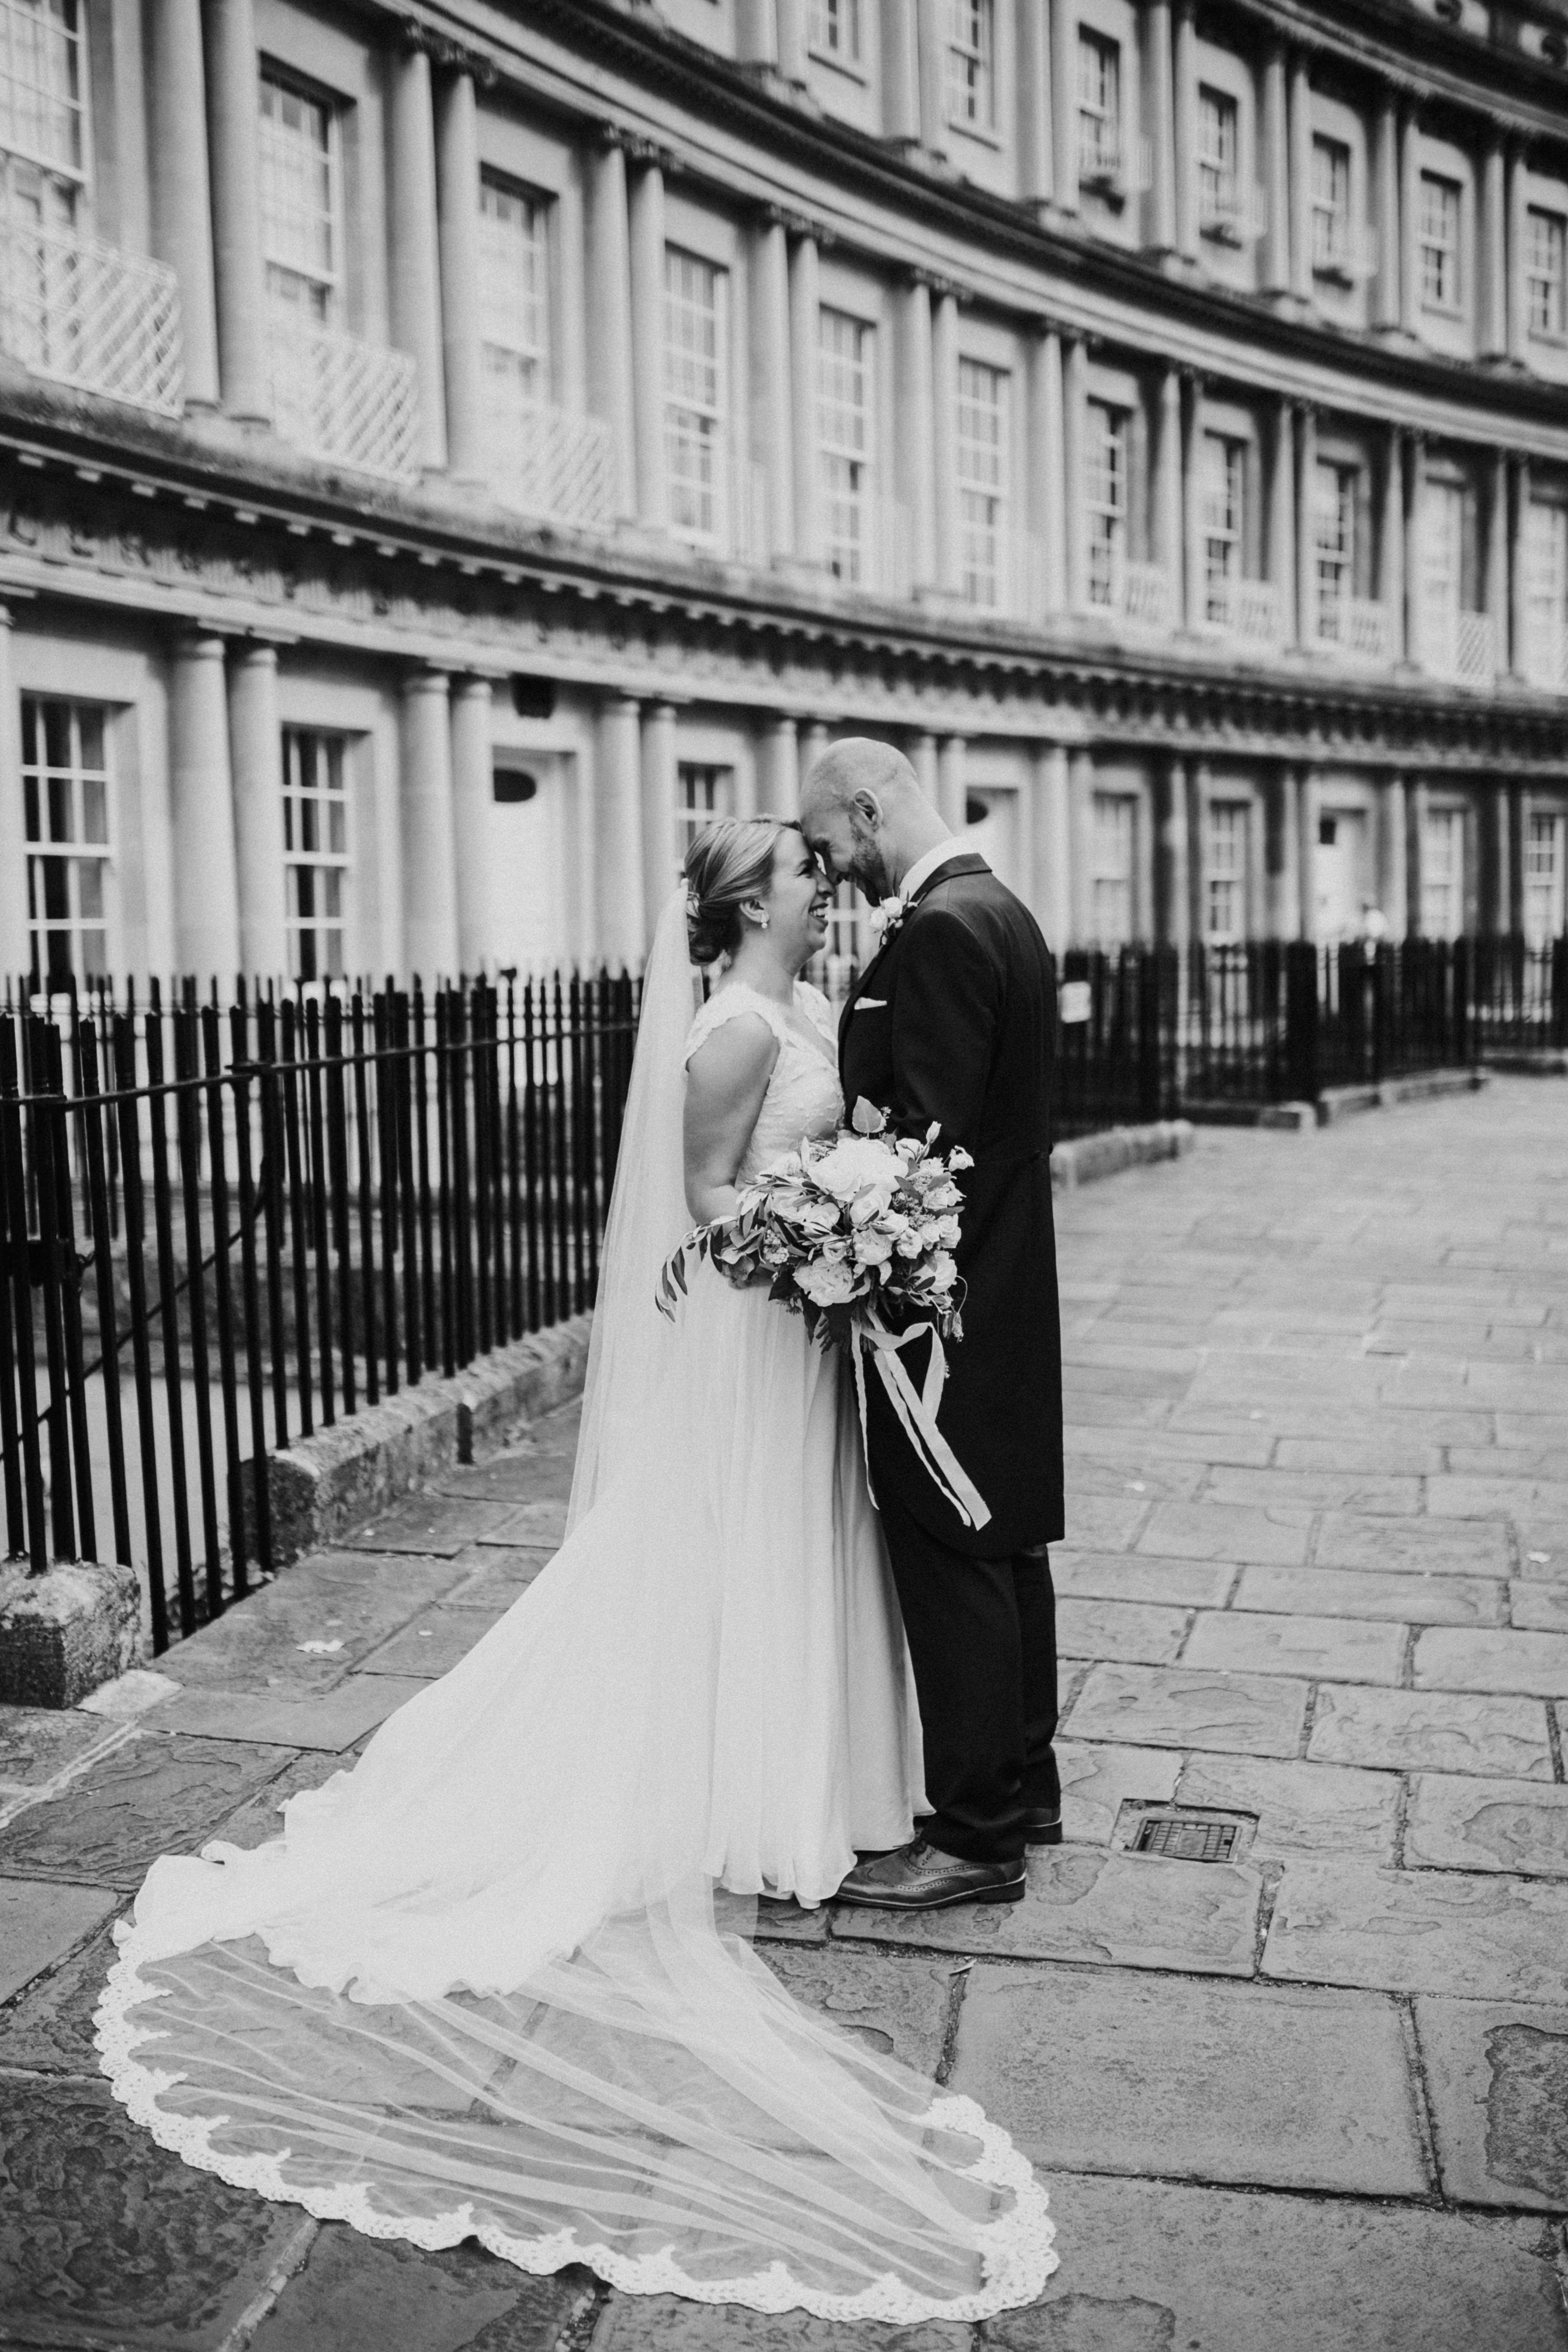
[(804, 1096)]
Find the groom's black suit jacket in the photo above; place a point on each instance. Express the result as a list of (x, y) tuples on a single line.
[(954, 1020)]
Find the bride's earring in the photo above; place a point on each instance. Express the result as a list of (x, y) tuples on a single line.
[(760, 916)]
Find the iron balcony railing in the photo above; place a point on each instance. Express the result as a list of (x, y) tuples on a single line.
[(1244, 609), (343, 399), (83, 313), (1358, 628), (1458, 646), (560, 468)]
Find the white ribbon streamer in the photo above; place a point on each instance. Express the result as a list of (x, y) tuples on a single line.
[(917, 1411)]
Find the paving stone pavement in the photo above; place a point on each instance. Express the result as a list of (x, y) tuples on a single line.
[(1312, 2097)]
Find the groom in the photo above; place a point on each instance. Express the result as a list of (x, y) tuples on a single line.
[(953, 1021)]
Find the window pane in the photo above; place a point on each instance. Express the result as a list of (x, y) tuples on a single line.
[(301, 231), (694, 392), (315, 833)]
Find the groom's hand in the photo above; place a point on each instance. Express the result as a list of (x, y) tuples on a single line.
[(946, 1010)]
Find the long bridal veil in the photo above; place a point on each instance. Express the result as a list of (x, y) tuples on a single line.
[(482, 1985)]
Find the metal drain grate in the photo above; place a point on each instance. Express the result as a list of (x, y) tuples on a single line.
[(1186, 1840)]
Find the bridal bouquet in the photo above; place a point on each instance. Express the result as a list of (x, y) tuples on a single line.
[(857, 1233)]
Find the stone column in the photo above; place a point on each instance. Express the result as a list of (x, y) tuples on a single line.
[(1300, 176), (1415, 533), (915, 453), (805, 317), (610, 319), (255, 764), (1193, 598), (1197, 850), (1394, 881), (771, 361), (1306, 527), (1390, 540), (1185, 143), (1517, 579), (233, 110), (1064, 103), (1036, 178), (181, 197), (1080, 846), (1492, 290), (16, 950), (201, 794), (930, 18), (1282, 517), (660, 868), (901, 72), (473, 794), (791, 42), (1046, 477), (923, 760), (1172, 910), (1309, 809), (458, 196), (1162, 119), (618, 833), (1165, 486), (415, 261), (430, 937), (1409, 219), (1517, 244), (1415, 857), (950, 761), (646, 249), (1255, 911), (778, 765), (945, 439), (1284, 821), (1075, 370), (1496, 599), (757, 33), (1385, 311), (1501, 911), (1276, 154), (1053, 859)]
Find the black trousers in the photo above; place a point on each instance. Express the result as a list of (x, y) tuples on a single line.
[(982, 1642)]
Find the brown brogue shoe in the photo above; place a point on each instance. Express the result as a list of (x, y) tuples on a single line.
[(919, 1877)]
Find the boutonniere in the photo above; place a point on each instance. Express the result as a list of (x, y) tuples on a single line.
[(886, 917)]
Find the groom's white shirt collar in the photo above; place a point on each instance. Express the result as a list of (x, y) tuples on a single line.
[(924, 867)]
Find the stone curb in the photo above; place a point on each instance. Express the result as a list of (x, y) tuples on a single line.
[(1548, 1062), (1089, 1156), (65, 1632), (324, 1485), (1336, 1102)]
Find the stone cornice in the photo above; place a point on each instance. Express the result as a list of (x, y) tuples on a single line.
[(852, 162), (182, 549)]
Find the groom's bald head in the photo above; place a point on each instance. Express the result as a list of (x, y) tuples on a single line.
[(864, 814)]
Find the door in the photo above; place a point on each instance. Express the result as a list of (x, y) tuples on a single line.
[(1339, 873)]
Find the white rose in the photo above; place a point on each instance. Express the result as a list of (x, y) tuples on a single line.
[(873, 1248), (858, 1165), (827, 1282), (815, 1218)]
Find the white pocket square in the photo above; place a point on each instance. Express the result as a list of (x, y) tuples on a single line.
[(870, 1004)]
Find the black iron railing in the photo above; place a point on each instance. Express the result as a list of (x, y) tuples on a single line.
[(224, 1228), (221, 1230)]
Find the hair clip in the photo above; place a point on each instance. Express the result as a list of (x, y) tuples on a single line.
[(693, 907)]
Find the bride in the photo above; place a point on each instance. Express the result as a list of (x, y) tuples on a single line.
[(497, 1981)]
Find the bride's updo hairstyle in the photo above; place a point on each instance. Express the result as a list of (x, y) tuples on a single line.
[(730, 862)]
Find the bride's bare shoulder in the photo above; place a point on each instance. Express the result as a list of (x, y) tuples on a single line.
[(735, 1036)]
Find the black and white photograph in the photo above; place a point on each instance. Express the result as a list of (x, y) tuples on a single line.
[(784, 1175)]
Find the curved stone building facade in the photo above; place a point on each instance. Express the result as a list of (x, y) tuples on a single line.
[(446, 451)]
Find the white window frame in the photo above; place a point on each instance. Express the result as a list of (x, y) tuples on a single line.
[(1219, 159), (62, 802), (1440, 226), (833, 31), (697, 415), (46, 136), (1331, 205), (313, 288), (983, 438), (1545, 849), (845, 412), (1113, 826), (1546, 592), (1443, 873), (972, 64), (1545, 270), (1335, 493), (1105, 504), (704, 790), (1224, 461), (1224, 871), (1100, 102), (1442, 558), (315, 869)]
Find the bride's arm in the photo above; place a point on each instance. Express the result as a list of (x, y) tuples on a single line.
[(725, 1082)]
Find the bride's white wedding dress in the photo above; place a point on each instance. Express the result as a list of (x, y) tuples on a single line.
[(482, 1985)]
